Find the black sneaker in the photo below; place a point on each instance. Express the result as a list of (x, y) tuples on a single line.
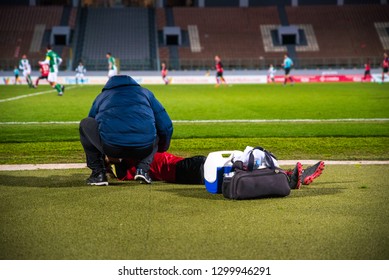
[(97, 179), (312, 172), (295, 176), (142, 176)]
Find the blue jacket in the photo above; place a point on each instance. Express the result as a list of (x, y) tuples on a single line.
[(129, 115)]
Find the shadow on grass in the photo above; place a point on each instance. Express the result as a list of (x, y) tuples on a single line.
[(53, 181), (317, 191), (201, 193), (192, 192), (66, 181)]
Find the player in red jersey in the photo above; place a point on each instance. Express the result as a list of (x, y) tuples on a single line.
[(44, 69), (219, 71), (385, 66), (164, 72), (367, 71), (174, 169), (164, 167)]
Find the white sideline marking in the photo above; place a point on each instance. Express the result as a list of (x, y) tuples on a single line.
[(20, 167), (30, 95), (25, 96), (282, 120), (228, 121), (335, 162), (51, 122)]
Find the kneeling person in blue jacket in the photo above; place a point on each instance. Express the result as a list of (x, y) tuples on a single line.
[(125, 121)]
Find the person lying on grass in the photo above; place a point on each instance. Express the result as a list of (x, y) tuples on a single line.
[(174, 169)]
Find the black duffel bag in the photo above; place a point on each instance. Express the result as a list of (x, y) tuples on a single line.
[(247, 183)]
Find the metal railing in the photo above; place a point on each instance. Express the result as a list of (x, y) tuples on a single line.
[(208, 64)]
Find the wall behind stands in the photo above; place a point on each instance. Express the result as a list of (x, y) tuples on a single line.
[(15, 2), (208, 3), (224, 3), (318, 2), (256, 3), (259, 3)]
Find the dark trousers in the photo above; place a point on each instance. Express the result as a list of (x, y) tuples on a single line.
[(190, 170), (95, 149)]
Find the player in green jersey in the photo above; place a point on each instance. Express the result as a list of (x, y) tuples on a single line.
[(25, 66), (53, 60), (112, 69)]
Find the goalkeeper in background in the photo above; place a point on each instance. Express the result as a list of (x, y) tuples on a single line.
[(80, 71), (54, 61)]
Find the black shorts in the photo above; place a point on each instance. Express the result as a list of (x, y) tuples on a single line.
[(219, 74), (367, 72), (127, 152), (287, 71), (385, 70), (190, 170)]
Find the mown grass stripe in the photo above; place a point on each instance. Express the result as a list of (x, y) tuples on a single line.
[(227, 121)]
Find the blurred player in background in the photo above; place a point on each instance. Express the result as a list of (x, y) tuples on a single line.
[(112, 69), (53, 61), (164, 72), (385, 66), (287, 64), (44, 69), (25, 66), (271, 71), (367, 73), (16, 74), (80, 71), (219, 72)]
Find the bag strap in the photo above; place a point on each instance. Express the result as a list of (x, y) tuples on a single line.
[(237, 165), (268, 158)]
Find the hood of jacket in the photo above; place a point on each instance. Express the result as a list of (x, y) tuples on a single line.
[(120, 81)]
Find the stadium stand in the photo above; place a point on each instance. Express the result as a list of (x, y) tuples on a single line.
[(232, 33), (245, 38), (18, 24), (343, 33), (123, 32), (25, 30), (163, 51)]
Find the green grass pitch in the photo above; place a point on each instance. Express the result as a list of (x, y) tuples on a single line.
[(52, 214)]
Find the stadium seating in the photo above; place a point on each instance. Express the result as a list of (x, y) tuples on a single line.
[(17, 27), (123, 32), (344, 35), (18, 24), (160, 23), (342, 32), (232, 33)]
